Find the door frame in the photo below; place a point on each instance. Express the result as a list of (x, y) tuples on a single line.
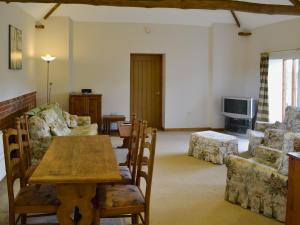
[(161, 85)]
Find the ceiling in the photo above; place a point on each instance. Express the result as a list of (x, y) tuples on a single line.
[(157, 15)]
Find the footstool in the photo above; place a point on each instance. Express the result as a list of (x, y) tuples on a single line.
[(212, 146)]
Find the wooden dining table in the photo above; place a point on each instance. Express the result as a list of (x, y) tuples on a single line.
[(76, 164)]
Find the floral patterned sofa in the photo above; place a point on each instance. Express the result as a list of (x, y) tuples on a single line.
[(260, 182), (50, 120)]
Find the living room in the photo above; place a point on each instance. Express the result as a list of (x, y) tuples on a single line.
[(205, 55)]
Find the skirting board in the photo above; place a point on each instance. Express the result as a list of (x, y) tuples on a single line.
[(194, 129)]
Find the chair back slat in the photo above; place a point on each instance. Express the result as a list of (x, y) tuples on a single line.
[(25, 140), (132, 131), (132, 137), (146, 159), (12, 147), (135, 150)]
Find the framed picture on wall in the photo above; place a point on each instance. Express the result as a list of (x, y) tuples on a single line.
[(15, 48)]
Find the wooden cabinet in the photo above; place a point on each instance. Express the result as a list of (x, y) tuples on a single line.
[(86, 105), (293, 204)]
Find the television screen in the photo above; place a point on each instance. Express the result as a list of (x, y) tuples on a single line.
[(236, 106)]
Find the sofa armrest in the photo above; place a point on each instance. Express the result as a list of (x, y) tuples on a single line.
[(255, 139), (237, 164), (83, 120), (262, 126)]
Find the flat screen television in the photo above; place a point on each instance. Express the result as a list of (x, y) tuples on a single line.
[(242, 108)]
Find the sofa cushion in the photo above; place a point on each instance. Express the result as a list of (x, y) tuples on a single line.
[(85, 130), (84, 120), (267, 156), (274, 138), (49, 115), (38, 128), (59, 129), (71, 120), (67, 117)]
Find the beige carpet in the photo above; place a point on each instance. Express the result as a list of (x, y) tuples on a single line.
[(186, 191)]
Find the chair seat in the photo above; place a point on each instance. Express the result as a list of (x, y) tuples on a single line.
[(125, 175), (37, 199), (114, 200)]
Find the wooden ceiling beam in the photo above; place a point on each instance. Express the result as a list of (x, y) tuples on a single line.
[(235, 18), (295, 2), (51, 11), (186, 4)]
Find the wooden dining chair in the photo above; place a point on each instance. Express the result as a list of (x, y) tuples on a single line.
[(128, 169), (29, 201), (130, 200), (23, 133)]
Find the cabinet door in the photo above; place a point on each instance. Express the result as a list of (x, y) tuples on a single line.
[(94, 107), (78, 105)]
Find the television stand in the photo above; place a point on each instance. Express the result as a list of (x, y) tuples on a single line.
[(238, 125)]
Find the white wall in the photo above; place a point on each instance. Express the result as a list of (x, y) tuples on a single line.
[(55, 40), (102, 62), (228, 60), (14, 83)]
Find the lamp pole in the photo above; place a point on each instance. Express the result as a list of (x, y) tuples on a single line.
[(48, 59), (48, 97)]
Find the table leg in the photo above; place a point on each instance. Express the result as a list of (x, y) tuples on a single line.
[(108, 127), (72, 195), (104, 126)]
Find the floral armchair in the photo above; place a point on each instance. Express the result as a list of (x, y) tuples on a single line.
[(50, 120), (260, 182)]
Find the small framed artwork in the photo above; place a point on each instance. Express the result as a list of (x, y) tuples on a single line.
[(15, 48)]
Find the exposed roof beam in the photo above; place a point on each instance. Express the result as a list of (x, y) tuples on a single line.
[(295, 2), (235, 18), (51, 11), (186, 4), (245, 34)]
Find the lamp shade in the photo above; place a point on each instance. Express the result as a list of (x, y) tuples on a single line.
[(48, 58)]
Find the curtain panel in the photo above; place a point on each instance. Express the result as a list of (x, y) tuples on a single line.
[(263, 102)]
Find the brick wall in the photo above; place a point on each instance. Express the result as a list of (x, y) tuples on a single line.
[(14, 107)]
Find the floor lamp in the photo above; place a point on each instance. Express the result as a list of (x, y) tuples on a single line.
[(48, 58)]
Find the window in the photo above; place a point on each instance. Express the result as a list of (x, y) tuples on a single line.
[(283, 86)]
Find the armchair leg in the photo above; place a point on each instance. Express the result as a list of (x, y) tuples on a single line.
[(134, 219), (96, 215), (23, 219)]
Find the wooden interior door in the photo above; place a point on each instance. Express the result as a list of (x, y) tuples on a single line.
[(146, 88)]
